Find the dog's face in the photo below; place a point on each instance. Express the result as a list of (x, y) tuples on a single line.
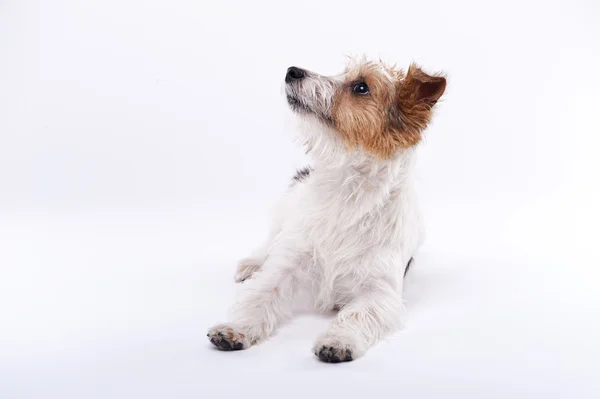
[(378, 108)]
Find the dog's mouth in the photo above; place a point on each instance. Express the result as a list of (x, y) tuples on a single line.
[(297, 105), (300, 107)]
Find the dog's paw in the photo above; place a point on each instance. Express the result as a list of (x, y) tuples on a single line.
[(333, 349), (333, 354), (246, 269), (227, 337)]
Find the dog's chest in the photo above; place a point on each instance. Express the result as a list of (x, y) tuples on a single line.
[(345, 233), (346, 253), (353, 234)]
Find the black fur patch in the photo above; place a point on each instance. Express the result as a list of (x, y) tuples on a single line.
[(302, 174), (410, 262)]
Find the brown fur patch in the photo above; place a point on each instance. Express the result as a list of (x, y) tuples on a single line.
[(394, 113)]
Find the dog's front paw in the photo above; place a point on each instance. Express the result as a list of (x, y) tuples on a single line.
[(335, 349), (227, 337), (246, 268)]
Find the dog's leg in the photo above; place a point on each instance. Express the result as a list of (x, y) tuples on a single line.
[(252, 264), (360, 324), (267, 300)]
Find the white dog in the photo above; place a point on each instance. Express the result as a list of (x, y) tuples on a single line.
[(349, 225)]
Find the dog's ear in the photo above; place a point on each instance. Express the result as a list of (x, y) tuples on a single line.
[(416, 94), (422, 88)]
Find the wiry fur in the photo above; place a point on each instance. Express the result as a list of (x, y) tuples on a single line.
[(347, 232)]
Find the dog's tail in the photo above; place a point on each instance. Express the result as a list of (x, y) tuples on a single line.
[(410, 262)]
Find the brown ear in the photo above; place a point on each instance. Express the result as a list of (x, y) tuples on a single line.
[(424, 88), (417, 94)]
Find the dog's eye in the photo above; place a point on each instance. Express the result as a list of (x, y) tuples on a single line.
[(360, 88)]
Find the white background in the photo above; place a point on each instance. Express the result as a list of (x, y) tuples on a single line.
[(142, 144)]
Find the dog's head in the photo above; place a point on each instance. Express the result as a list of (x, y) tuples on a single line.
[(377, 108)]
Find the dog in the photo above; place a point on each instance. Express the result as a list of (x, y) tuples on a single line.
[(349, 225)]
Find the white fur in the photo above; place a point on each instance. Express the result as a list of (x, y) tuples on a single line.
[(346, 233)]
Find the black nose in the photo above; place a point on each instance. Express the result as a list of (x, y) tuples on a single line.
[(294, 73)]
